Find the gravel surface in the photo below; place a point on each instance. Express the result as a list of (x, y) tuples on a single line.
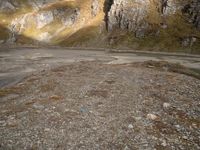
[(96, 105)]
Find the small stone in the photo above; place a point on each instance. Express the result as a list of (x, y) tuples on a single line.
[(152, 117), (130, 126), (194, 125), (12, 122), (185, 137), (55, 97), (2, 123), (84, 110), (166, 105), (46, 129), (177, 126), (138, 118), (126, 148), (38, 106), (164, 143)]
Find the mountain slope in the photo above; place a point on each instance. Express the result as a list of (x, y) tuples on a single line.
[(170, 25)]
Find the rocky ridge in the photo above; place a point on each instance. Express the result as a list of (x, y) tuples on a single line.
[(56, 22)]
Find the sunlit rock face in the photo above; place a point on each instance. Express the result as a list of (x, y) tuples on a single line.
[(127, 14), (44, 18), (36, 18), (133, 15)]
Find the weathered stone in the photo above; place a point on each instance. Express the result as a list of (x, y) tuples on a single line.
[(166, 105), (71, 18), (130, 126), (128, 15), (152, 117), (6, 6), (44, 18), (95, 7), (192, 10)]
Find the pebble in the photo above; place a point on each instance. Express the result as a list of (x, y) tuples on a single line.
[(46, 129), (152, 117), (130, 126), (164, 143), (38, 106), (185, 137), (166, 105), (126, 148), (55, 97), (12, 122)]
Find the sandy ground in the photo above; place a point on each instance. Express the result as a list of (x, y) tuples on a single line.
[(17, 63), (93, 100)]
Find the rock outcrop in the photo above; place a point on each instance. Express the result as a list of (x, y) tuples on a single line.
[(127, 15)]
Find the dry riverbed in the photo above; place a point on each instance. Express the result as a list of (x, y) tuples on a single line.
[(98, 105)]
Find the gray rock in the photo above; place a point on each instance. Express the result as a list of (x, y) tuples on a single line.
[(130, 126), (128, 15), (95, 7), (38, 106), (44, 18), (6, 6), (188, 41), (166, 105), (71, 18)]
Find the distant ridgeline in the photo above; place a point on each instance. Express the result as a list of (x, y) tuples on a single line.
[(168, 25)]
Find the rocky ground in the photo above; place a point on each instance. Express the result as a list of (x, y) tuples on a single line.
[(98, 105)]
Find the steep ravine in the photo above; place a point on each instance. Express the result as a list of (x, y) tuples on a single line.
[(159, 25)]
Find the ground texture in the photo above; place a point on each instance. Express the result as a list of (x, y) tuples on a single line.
[(96, 105)]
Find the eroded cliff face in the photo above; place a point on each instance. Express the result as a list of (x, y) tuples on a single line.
[(102, 23), (45, 21)]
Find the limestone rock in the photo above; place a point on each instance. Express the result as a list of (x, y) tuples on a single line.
[(6, 6), (128, 15), (44, 19), (95, 7), (71, 18)]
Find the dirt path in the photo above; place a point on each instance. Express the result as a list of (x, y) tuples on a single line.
[(17, 63)]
